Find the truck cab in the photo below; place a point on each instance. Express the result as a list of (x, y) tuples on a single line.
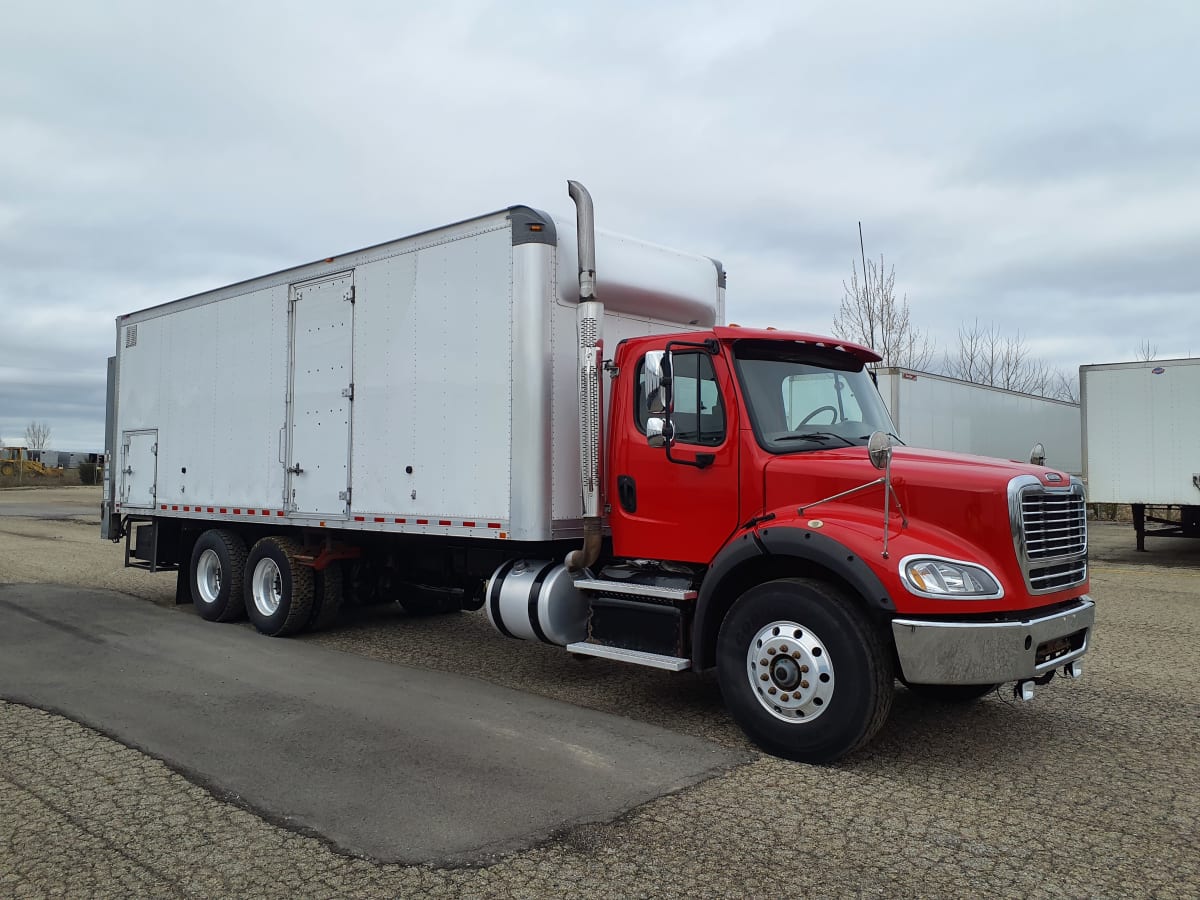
[(739, 468)]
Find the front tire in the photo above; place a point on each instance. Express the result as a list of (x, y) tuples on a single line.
[(803, 671), (279, 589), (215, 575)]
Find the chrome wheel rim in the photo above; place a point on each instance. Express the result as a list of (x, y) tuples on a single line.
[(790, 672), (266, 586), (208, 576)]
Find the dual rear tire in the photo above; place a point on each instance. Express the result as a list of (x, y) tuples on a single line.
[(268, 583)]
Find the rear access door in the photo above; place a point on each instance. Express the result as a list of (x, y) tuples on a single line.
[(139, 468), (321, 396)]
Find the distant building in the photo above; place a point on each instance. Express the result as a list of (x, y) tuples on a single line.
[(66, 459)]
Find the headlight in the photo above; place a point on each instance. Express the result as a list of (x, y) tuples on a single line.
[(935, 576)]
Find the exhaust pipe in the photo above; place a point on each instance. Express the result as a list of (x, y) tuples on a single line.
[(590, 318)]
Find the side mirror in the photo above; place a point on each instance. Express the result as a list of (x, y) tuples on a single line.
[(879, 449), (657, 384), (658, 432), (1037, 455)]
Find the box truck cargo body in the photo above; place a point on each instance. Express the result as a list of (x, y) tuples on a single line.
[(950, 414), (1141, 426), (426, 385), (557, 427)]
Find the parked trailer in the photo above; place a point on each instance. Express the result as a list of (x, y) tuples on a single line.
[(1141, 441), (945, 413), (421, 422)]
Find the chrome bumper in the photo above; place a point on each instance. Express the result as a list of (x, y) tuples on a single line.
[(987, 652)]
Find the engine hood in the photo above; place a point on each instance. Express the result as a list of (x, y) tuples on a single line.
[(924, 479), (956, 505)]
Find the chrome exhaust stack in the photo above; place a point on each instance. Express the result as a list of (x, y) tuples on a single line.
[(590, 319)]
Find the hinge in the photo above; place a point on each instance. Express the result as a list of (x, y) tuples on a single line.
[(154, 450), (613, 371), (350, 294), (344, 495), (348, 392)]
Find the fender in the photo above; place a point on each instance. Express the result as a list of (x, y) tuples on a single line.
[(776, 541)]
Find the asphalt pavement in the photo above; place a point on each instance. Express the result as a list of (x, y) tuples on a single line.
[(393, 763), (1091, 790)]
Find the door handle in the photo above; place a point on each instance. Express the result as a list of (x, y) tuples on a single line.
[(295, 470), (627, 493)]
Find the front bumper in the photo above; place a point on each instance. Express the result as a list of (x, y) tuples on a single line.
[(932, 652)]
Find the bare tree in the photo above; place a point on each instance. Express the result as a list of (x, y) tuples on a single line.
[(1146, 351), (986, 355), (871, 314), (37, 435), (1064, 386)]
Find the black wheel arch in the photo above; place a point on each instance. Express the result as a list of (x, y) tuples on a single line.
[(776, 552)]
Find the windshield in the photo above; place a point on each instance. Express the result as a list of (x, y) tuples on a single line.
[(802, 397)]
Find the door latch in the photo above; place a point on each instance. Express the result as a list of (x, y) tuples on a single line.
[(295, 470)]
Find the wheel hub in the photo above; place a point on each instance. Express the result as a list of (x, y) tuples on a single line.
[(266, 586), (790, 671), (208, 576)]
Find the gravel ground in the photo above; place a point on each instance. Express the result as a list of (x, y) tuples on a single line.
[(1092, 790)]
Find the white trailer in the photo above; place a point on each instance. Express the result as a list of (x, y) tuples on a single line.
[(943, 413), (1141, 440)]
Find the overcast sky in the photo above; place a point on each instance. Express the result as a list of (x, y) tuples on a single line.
[(1035, 165)]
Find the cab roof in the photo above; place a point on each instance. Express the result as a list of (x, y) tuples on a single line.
[(738, 333)]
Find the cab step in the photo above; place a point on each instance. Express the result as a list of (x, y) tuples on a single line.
[(633, 589), (636, 657)]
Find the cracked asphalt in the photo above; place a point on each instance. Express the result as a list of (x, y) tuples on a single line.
[(1091, 790)]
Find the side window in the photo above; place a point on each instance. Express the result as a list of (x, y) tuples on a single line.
[(699, 415)]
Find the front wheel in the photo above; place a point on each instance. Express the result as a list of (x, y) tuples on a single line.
[(803, 671)]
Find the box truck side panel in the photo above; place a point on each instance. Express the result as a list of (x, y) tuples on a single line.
[(1142, 432), (211, 380), (432, 376)]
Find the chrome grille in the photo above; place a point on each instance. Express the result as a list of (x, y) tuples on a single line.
[(1054, 524), (1049, 528), (1051, 578)]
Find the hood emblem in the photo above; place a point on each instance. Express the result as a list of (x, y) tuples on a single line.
[(1053, 476)]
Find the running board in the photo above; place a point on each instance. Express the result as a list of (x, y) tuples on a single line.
[(637, 657), (633, 589)]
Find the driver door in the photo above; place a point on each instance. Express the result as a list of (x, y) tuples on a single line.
[(676, 510)]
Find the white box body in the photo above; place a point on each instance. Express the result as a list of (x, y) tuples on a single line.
[(1141, 425), (944, 413), (427, 385)]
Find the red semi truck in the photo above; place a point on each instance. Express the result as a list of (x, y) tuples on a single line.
[(434, 421)]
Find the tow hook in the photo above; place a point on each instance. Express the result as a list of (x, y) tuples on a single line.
[(1073, 669), (1024, 689)]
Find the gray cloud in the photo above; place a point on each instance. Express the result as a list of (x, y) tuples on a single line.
[(1028, 164)]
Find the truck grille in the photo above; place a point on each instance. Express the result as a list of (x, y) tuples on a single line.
[(1054, 524), (1049, 533)]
